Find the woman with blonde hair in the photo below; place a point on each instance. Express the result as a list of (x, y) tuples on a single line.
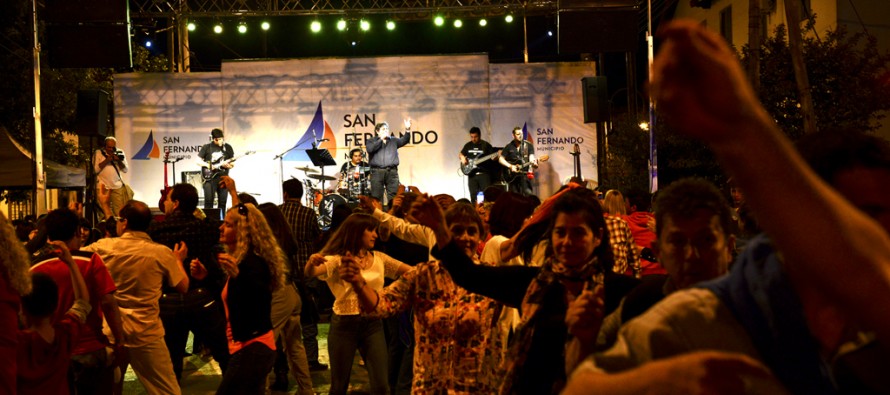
[(353, 242), (15, 281), (627, 254), (255, 265)]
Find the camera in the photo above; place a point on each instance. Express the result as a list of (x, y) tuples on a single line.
[(119, 155)]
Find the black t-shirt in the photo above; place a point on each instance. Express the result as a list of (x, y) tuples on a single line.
[(475, 150), (517, 155), (215, 154)]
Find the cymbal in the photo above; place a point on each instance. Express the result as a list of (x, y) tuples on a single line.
[(306, 169), (321, 177)]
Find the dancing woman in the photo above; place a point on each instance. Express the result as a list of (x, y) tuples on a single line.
[(353, 241), (256, 266)]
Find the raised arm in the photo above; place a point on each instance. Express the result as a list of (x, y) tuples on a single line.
[(701, 87)]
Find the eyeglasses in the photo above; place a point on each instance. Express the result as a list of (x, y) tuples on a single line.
[(242, 209)]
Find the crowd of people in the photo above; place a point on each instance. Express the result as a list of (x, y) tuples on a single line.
[(573, 294)]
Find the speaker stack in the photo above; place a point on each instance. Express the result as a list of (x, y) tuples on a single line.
[(92, 113)]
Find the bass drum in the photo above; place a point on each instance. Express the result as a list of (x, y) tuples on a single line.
[(326, 209)]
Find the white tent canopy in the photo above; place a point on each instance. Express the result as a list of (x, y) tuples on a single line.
[(16, 168)]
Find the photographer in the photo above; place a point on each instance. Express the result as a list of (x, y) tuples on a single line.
[(108, 163)]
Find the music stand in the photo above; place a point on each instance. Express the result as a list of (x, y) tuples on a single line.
[(321, 158)]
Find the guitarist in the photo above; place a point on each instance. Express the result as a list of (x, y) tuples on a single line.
[(480, 177), (517, 156), (212, 154)]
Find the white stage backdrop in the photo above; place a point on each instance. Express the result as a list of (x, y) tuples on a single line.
[(273, 106)]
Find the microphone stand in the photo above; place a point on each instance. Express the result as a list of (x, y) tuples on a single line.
[(280, 158)]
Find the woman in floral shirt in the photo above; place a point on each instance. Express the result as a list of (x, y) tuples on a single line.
[(460, 339)]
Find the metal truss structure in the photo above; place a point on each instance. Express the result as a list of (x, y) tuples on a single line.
[(400, 9)]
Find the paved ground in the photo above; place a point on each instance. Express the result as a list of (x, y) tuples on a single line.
[(201, 376)]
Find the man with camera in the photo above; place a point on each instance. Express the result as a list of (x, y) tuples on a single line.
[(109, 162)]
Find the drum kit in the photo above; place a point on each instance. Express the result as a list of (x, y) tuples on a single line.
[(353, 182)]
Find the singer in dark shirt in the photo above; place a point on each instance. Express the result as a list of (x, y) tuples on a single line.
[(384, 160)]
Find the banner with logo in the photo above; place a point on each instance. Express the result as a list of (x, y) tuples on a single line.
[(281, 108)]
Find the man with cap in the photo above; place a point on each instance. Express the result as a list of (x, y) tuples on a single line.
[(215, 156)]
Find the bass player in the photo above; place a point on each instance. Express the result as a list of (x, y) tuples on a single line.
[(472, 156)]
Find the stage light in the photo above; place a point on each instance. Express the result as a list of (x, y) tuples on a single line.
[(191, 26), (353, 43), (483, 22), (550, 33), (341, 25), (242, 27), (315, 26), (439, 20), (458, 23), (508, 18), (364, 25), (644, 126), (265, 25), (390, 25), (147, 43), (217, 29)]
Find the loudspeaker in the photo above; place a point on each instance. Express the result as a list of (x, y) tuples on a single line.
[(595, 31), (92, 113), (596, 99), (88, 33)]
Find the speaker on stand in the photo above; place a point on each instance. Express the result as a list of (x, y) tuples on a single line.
[(91, 122)]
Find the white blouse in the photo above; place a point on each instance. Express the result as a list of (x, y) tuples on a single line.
[(345, 299)]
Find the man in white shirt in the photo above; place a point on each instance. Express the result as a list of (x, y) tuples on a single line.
[(108, 163)]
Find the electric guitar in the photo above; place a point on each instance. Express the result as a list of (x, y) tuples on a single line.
[(167, 187), (209, 170), (473, 163), (524, 170)]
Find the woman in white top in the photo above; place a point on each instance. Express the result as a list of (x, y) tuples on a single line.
[(349, 330)]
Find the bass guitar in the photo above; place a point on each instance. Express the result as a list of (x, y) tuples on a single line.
[(212, 169), (524, 170), (473, 163)]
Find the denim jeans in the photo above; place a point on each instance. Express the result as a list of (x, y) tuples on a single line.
[(247, 371), (384, 178), (351, 332), (199, 312)]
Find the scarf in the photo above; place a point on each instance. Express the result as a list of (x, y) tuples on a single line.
[(551, 275), (760, 296)]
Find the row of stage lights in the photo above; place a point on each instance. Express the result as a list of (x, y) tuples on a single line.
[(316, 26)]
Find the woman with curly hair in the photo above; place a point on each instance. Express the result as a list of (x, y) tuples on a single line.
[(255, 266), (353, 241), (15, 281)]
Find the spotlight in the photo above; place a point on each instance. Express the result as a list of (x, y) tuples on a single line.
[(508, 18), (390, 25), (483, 22), (265, 25), (217, 29), (147, 43), (191, 26), (242, 28), (458, 23), (439, 20), (364, 25), (550, 33), (341, 25), (353, 43), (315, 26), (644, 126)]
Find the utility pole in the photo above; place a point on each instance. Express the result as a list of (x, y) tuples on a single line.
[(39, 197), (795, 46)]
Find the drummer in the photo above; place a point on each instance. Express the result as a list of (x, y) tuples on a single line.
[(354, 175)]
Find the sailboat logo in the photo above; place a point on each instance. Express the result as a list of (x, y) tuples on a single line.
[(149, 150), (318, 130)]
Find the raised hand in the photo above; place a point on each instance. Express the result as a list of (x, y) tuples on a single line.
[(366, 204), (181, 251), (426, 211), (699, 83), (407, 123), (62, 250), (197, 269), (228, 264), (227, 182), (584, 315)]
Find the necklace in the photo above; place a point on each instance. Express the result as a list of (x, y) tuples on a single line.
[(365, 261)]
